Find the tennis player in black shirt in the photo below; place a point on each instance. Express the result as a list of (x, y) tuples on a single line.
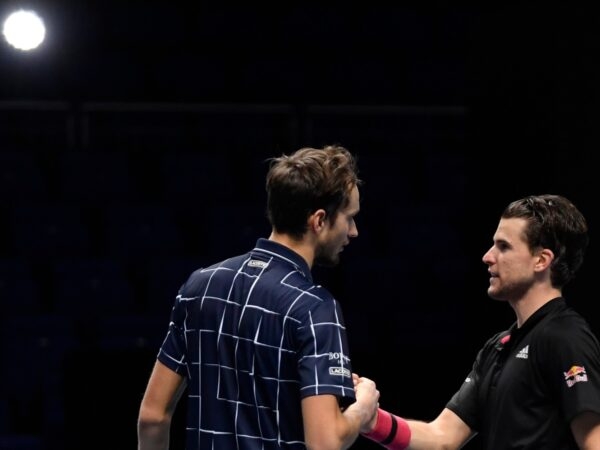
[(535, 385)]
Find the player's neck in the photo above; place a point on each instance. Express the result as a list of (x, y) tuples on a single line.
[(301, 246), (533, 300)]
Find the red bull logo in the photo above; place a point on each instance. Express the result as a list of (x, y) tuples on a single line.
[(574, 375)]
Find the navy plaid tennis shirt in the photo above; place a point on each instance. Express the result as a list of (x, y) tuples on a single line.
[(254, 335)]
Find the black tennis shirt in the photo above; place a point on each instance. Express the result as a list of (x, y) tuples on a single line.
[(528, 383)]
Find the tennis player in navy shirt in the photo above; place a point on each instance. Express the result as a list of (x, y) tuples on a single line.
[(535, 385), (259, 349)]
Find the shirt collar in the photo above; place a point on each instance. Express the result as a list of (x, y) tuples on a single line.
[(274, 249), (514, 334)]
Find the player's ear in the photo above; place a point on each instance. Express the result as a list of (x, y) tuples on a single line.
[(317, 220), (544, 258)]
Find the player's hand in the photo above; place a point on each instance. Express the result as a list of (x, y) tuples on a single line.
[(367, 395)]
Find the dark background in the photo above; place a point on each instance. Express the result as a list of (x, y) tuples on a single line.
[(133, 147)]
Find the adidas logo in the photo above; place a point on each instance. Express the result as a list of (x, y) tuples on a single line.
[(523, 353)]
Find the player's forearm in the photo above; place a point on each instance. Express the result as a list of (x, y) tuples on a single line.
[(396, 433), (353, 418), (390, 431), (153, 435)]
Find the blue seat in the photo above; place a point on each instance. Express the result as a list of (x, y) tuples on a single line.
[(33, 350), (92, 287), (191, 177), (21, 442), (447, 172), (134, 232), (423, 230), (232, 228), (20, 291), (131, 333), (49, 230), (22, 177), (95, 176)]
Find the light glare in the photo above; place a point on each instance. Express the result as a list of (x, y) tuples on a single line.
[(24, 30)]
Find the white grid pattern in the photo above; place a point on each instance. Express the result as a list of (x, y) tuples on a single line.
[(254, 339)]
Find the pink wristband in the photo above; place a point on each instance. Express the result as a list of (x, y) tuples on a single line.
[(390, 431)]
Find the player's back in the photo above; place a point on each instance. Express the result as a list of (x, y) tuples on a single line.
[(243, 325)]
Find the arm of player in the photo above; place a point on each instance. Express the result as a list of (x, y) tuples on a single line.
[(164, 390), (446, 432), (326, 426), (586, 430)]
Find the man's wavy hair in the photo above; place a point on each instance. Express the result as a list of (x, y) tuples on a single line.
[(307, 180), (554, 223)]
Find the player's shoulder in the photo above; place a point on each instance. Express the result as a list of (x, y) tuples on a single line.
[(220, 271), (566, 324)]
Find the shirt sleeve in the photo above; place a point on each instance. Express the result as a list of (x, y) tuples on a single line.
[(464, 402), (324, 364), (467, 401), (172, 351), (569, 363)]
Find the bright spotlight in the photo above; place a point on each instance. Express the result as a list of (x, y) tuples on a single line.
[(24, 30)]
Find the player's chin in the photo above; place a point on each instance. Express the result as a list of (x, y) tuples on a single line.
[(333, 261), (495, 294), (327, 260)]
